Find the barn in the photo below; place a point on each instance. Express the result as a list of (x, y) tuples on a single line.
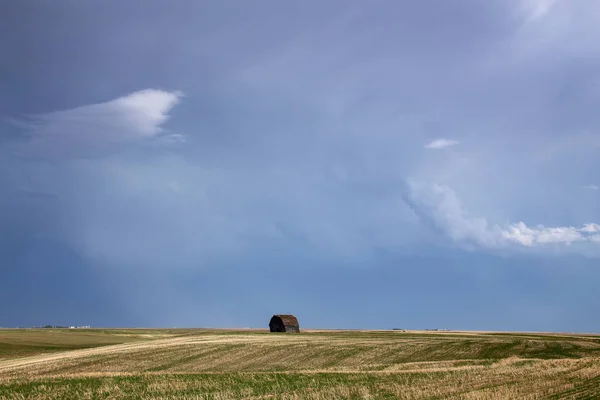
[(284, 323)]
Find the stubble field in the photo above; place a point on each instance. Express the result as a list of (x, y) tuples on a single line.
[(245, 364)]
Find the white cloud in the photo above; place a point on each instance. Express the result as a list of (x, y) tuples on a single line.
[(522, 234), (94, 129), (591, 228), (441, 143), (438, 205), (591, 187), (145, 111), (440, 208)]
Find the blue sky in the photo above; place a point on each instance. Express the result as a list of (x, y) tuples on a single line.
[(396, 164)]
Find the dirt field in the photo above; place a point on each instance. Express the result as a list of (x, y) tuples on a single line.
[(203, 364)]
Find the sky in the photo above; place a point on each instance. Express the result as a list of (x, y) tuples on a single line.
[(396, 164)]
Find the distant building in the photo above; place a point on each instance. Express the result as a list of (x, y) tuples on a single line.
[(284, 323)]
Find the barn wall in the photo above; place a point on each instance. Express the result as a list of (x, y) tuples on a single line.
[(292, 328)]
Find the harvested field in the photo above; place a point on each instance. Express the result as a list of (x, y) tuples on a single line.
[(198, 364)]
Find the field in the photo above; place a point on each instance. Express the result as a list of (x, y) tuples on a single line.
[(210, 364)]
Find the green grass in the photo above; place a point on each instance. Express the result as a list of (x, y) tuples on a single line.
[(28, 342), (279, 386)]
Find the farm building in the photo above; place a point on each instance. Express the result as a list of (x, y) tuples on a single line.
[(284, 323)]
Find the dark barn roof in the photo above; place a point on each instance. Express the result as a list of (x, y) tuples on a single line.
[(284, 323), (287, 319)]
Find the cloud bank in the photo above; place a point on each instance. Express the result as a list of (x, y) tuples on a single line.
[(93, 130), (304, 139), (440, 207)]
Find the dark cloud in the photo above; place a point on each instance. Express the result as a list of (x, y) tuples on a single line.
[(298, 131)]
